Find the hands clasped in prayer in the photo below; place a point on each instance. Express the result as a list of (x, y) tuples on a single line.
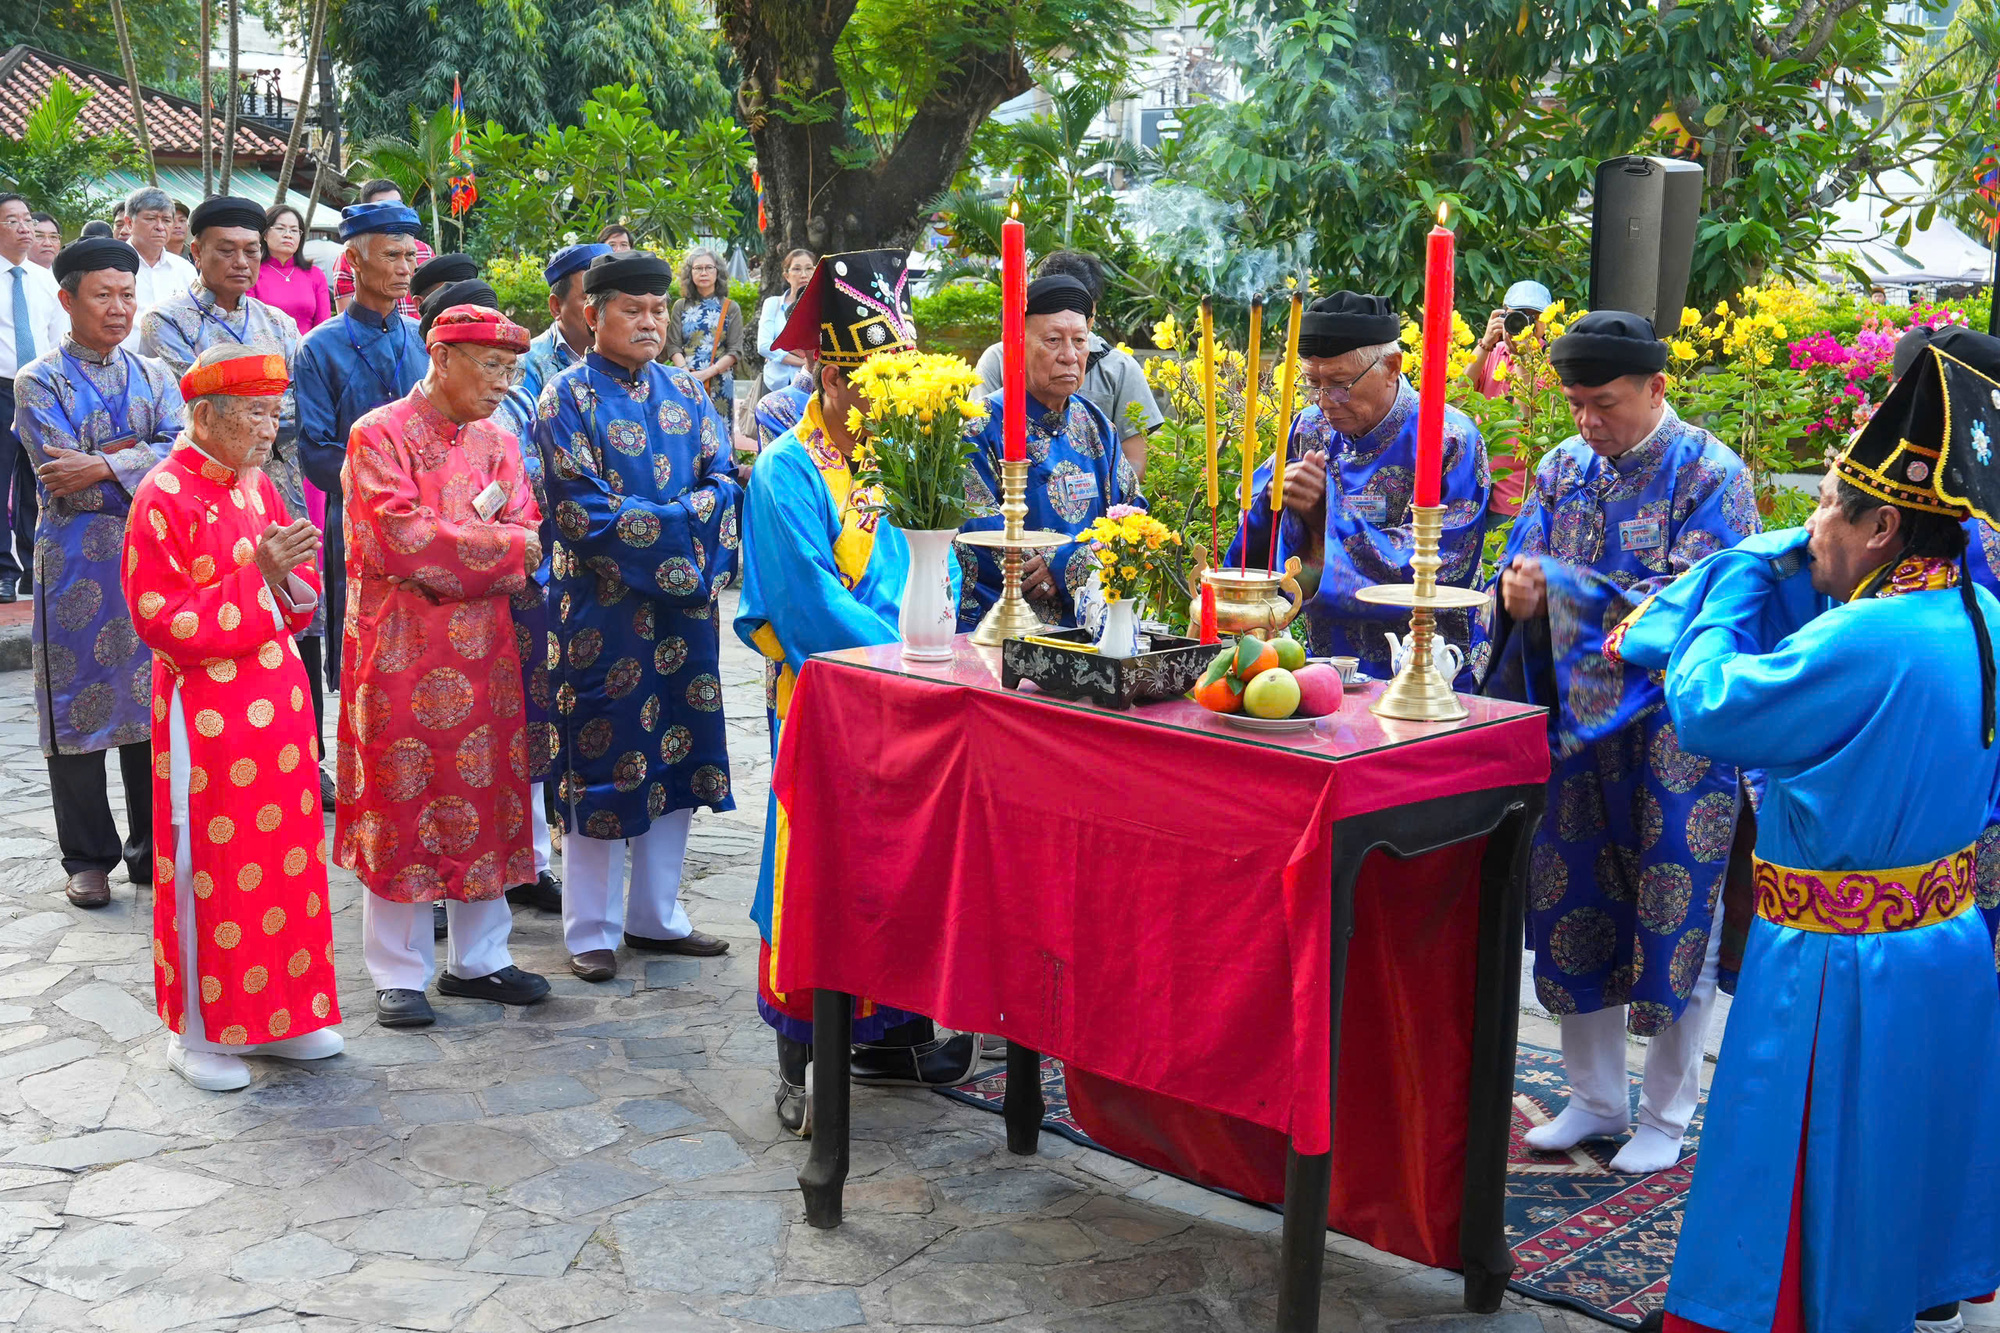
[(1524, 588), (280, 550)]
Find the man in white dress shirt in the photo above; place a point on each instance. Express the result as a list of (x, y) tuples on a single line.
[(162, 273), (31, 323)]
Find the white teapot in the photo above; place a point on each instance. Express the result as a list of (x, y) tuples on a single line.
[(1446, 657)]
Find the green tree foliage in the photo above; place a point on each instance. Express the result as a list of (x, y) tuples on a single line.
[(538, 194), (421, 166), (55, 165), (525, 63), (165, 35)]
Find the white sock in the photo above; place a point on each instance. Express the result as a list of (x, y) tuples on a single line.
[(1648, 1151), (1572, 1127), (315, 1045), (209, 1072)]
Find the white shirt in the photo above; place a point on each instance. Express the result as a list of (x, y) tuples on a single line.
[(156, 282), (46, 318)]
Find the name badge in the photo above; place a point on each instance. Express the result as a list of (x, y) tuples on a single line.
[(1369, 508), (488, 502), (1642, 534), (1079, 486)]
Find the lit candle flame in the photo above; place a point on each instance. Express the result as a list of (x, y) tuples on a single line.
[(1014, 210), (1441, 214)]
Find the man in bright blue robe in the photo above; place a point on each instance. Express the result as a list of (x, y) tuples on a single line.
[(1350, 472), (365, 358), (822, 572), (1076, 471), (1849, 1177), (567, 338), (646, 515), (1629, 863), (94, 419)]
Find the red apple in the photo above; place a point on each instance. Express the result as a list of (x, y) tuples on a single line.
[(1320, 691)]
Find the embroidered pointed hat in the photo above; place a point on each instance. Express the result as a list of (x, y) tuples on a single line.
[(1934, 444), (853, 306)]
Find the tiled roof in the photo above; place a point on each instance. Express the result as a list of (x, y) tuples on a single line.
[(173, 123)]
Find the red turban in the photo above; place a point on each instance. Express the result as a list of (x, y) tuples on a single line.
[(255, 375), (479, 326)]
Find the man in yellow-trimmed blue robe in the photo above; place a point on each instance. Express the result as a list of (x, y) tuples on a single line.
[(821, 572)]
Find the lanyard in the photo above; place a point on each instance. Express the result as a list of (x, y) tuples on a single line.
[(390, 391), (208, 313), (119, 412)]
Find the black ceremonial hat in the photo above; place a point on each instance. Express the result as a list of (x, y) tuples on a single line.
[(1934, 442), (1606, 344), (440, 269), (1335, 325), (93, 253), (854, 306), (466, 291), (635, 272), (225, 211)]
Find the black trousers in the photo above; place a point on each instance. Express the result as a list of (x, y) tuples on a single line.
[(85, 828), (18, 501), (309, 650), (333, 574)]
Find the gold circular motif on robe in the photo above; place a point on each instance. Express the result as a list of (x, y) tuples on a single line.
[(167, 481), (184, 624), (297, 964), (329, 950), (369, 711), (405, 769), (623, 677), (312, 904), (408, 533), (656, 800), (221, 829), (649, 713), (471, 629), (476, 759), (231, 615), (295, 862), (593, 741), (400, 641), (151, 604), (167, 970), (415, 883), (274, 920), (503, 686), (709, 783), (260, 713), (676, 744), (270, 656), (228, 935), (197, 780), (159, 953), (670, 655), (222, 671), (629, 771), (482, 878), (243, 552), (288, 758), (257, 501), (565, 699), (521, 866), (141, 687), (308, 798), (321, 1006), (269, 817), (203, 568), (517, 753), (159, 707), (162, 764), (235, 1034), (159, 522), (163, 870), (255, 979), (243, 772), (375, 837), (116, 642), (443, 698), (131, 559), (280, 1023), (603, 824), (319, 852), (704, 693), (482, 548), (211, 990), (584, 646), (347, 782), (204, 884), (448, 826), (637, 528), (298, 698), (507, 804), (209, 723), (90, 710), (442, 581)]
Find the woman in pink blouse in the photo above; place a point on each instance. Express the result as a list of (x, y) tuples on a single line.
[(292, 283)]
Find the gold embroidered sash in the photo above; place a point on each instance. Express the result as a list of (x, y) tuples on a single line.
[(1866, 902)]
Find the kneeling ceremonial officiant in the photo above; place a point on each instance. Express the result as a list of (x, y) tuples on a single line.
[(646, 514), (1076, 472), (222, 579), (1350, 483), (1852, 661), (821, 571), (432, 770), (1628, 867)]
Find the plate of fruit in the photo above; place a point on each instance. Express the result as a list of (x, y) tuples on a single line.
[(1261, 685)]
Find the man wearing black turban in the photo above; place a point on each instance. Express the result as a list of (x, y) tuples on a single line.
[(1348, 486), (1612, 515), (1076, 471), (217, 310), (438, 270)]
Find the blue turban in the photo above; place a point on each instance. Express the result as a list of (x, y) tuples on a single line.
[(361, 219), (571, 259)]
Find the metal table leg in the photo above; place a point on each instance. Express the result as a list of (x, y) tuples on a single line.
[(825, 1172)]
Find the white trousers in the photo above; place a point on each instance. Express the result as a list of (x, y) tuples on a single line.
[(1593, 1047), (592, 879), (538, 824), (399, 943), (195, 1037)]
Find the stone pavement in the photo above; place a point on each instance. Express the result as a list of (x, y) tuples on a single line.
[(608, 1160)]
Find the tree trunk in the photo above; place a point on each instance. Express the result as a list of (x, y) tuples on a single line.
[(132, 88), (235, 95), (786, 50), (207, 98), (305, 95)]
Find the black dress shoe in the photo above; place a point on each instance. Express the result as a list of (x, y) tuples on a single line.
[(544, 895), (403, 1009), (933, 1064), (439, 921), (327, 796), (693, 945), (510, 985), (7, 593)]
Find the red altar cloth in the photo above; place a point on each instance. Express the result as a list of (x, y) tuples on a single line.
[(1144, 894)]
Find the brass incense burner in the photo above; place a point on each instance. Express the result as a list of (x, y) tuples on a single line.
[(1259, 602)]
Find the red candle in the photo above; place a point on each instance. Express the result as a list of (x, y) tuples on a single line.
[(1437, 351), (1014, 337)]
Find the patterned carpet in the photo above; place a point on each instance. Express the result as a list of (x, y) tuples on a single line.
[(1582, 1236)]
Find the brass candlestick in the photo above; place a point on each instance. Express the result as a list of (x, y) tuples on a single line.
[(1419, 693), (1011, 616)]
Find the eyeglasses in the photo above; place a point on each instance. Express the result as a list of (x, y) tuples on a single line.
[(1335, 391), (511, 373)]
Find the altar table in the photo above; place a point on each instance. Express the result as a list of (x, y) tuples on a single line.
[(1165, 902)]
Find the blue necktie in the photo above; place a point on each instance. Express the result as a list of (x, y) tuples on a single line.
[(24, 335)]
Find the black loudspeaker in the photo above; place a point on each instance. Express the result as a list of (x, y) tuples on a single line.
[(1642, 226)]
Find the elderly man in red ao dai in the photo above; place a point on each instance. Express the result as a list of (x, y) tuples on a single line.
[(433, 762), (221, 578)]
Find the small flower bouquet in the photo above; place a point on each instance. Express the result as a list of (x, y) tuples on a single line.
[(921, 407), (1136, 556)]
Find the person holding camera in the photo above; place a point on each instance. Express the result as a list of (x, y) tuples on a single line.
[(1491, 372)]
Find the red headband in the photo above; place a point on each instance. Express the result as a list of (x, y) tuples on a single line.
[(253, 376), (480, 326)]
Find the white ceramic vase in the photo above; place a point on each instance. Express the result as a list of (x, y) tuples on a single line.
[(929, 615), (1120, 635)]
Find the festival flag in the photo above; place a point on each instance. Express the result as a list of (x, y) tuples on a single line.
[(457, 119), (464, 189)]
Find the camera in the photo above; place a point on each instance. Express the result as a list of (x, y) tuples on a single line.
[(1518, 321)]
